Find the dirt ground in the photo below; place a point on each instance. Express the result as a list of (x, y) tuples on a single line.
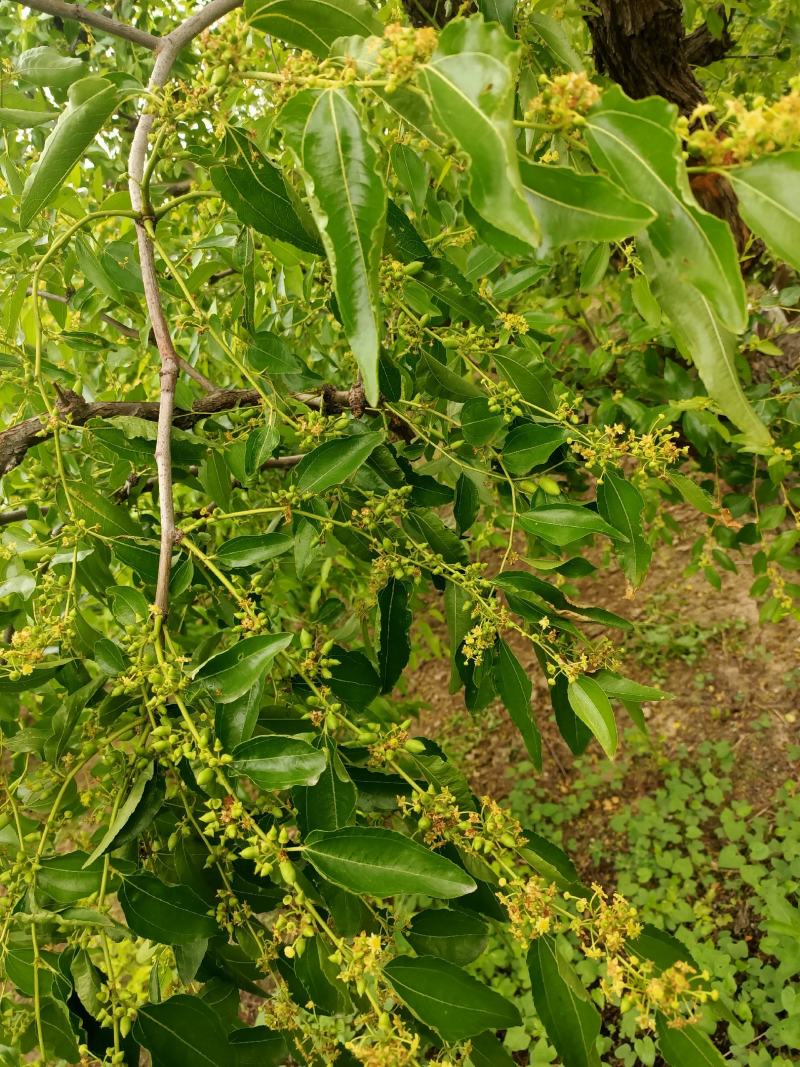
[(707, 648)]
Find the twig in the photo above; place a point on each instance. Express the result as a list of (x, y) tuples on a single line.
[(166, 53), (76, 13)]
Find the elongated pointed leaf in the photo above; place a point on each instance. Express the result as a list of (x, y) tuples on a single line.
[(636, 143), (45, 66), (347, 196), (183, 1031), (560, 524), (701, 338), (394, 648), (91, 102), (143, 800), (590, 703), (470, 79), (313, 24), (686, 1046), (580, 207), (515, 688), (169, 914), (383, 863), (446, 998), (230, 674), (333, 462), (257, 193), (273, 762), (330, 803), (769, 202), (621, 504), (251, 549), (457, 936), (571, 1020)]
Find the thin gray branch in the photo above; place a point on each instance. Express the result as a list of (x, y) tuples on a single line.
[(166, 54), (77, 13)]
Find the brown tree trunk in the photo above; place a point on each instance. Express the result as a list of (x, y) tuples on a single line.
[(642, 45)]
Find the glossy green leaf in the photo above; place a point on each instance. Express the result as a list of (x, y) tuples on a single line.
[(255, 190), (457, 936), (636, 142), (570, 1018), (703, 339), (580, 207), (515, 689), (686, 1046), (383, 863), (769, 202), (44, 66), (69, 877), (446, 998), (183, 1031), (353, 679), (278, 762), (330, 803), (101, 514), (347, 196), (333, 462), (448, 383), (313, 24), (251, 549), (488, 1051), (466, 504), (91, 102), (134, 815), (168, 914), (230, 674), (561, 524), (257, 1046), (470, 79), (394, 648), (530, 446), (591, 704), (479, 425), (61, 1031), (531, 380), (619, 688), (621, 504)]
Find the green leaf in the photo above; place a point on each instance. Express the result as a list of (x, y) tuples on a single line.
[(471, 80), (693, 494), (45, 66), (109, 519), (478, 424), (235, 722), (354, 680), (347, 196), (256, 1046), (457, 936), (183, 1031), (590, 703), (331, 803), (532, 381), (251, 549), (686, 1046), (59, 1027), (447, 999), (333, 462), (273, 762), (228, 675), (619, 688), (561, 524), (702, 339), (515, 689), (168, 914), (570, 1018), (621, 504), (69, 877), (636, 142), (580, 207), (448, 383), (488, 1051), (425, 526), (313, 24), (91, 101), (136, 813), (501, 11), (394, 647), (256, 191), (530, 446), (383, 863), (466, 504), (769, 202)]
